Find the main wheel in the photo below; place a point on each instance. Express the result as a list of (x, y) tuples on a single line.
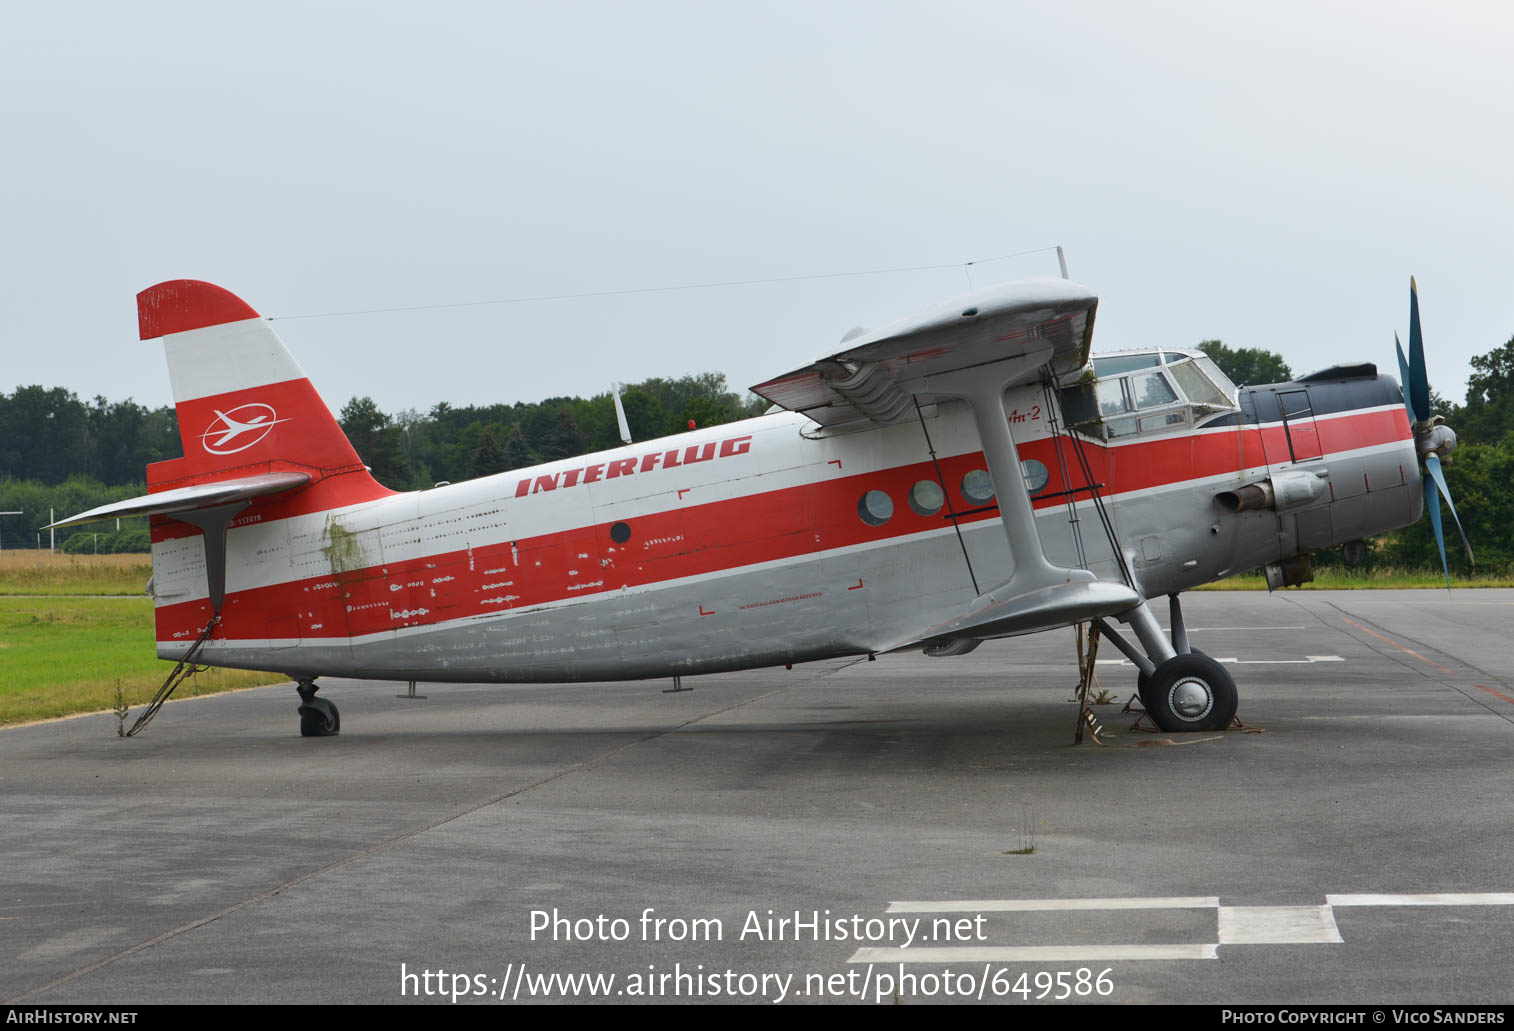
[(1143, 682), (1191, 692), (319, 718)]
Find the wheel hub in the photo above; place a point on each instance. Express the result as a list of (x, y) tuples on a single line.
[(1191, 698)]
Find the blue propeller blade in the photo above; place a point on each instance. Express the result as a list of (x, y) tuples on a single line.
[(1432, 502), (1417, 401), (1403, 375), (1432, 466), (1418, 387)]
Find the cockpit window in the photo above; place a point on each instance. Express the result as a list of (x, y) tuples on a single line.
[(1218, 378), (1111, 396), (1197, 386), (1124, 363), (1152, 390)]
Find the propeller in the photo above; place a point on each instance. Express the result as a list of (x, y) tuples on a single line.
[(1433, 439)]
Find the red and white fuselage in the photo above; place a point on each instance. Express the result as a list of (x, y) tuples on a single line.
[(763, 542)]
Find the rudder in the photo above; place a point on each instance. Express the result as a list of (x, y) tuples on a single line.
[(243, 403)]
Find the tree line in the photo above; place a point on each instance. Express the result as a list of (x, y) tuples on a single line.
[(62, 454), (411, 450), (58, 451)]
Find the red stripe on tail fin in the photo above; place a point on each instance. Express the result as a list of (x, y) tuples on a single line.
[(244, 406), (181, 305)]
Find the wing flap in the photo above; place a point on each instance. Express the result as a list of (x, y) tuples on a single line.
[(188, 499)]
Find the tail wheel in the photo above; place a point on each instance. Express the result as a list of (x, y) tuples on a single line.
[(319, 718), (1191, 692)]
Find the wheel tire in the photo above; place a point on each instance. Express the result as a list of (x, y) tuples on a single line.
[(1191, 692), (1143, 682), (319, 718)]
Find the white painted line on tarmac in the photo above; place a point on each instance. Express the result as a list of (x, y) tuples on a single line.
[(1042, 905), (1497, 898), (1277, 925), (1236, 925), (1034, 954), (1210, 629), (1305, 661)]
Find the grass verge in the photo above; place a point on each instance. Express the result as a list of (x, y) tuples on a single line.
[(61, 656), (1387, 578), (44, 573)]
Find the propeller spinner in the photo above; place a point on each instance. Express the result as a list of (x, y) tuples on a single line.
[(1433, 439)]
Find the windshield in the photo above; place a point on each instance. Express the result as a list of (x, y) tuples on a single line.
[(1220, 379), (1197, 386)]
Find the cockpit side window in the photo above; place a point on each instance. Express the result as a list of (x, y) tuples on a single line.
[(1152, 390), (1111, 395)]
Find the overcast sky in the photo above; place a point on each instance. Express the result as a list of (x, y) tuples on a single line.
[(1269, 174)]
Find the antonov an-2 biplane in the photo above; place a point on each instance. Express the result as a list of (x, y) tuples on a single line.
[(966, 473)]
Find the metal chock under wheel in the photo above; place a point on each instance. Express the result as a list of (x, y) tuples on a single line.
[(182, 672)]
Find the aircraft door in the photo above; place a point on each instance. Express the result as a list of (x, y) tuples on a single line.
[(1310, 528), (1298, 423)]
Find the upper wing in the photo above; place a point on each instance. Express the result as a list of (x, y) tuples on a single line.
[(875, 376)]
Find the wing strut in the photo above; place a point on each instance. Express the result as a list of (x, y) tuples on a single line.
[(1071, 496), (983, 390), (941, 479), (1039, 595)]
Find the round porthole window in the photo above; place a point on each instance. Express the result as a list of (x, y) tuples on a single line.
[(1036, 475), (977, 487), (926, 497), (875, 508), (620, 533)]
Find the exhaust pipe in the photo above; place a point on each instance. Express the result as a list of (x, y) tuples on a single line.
[(1282, 493)]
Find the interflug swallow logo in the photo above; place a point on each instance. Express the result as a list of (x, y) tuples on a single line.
[(239, 429)]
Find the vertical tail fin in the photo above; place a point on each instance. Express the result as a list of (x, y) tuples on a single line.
[(244, 405)]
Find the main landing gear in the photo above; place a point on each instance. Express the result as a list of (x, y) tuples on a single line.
[(318, 716), (1182, 688), (1191, 692)]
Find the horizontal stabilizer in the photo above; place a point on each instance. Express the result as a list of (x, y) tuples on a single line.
[(188, 499)]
